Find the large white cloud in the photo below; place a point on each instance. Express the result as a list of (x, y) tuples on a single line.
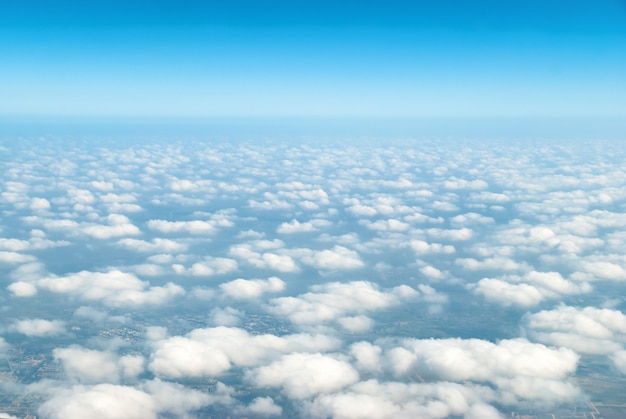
[(334, 301), (480, 360), (208, 266), (190, 227), (257, 257), (212, 351), (114, 288), (337, 258), (89, 366), (111, 226), (156, 245), (588, 330), (252, 288), (295, 226), (528, 290), (38, 327), (14, 257), (151, 399), (302, 375), (520, 370), (260, 407), (22, 289)]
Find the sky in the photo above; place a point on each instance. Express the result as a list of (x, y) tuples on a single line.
[(313, 59)]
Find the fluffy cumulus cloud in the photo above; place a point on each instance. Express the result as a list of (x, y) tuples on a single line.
[(208, 266), (530, 289), (226, 316), (295, 226), (22, 289), (261, 407), (151, 399), (37, 241), (252, 288), (421, 247), (520, 370), (335, 301), (302, 375), (212, 351), (103, 228), (258, 257), (103, 401), (191, 227), (586, 330), (372, 398), (38, 327), (15, 258), (337, 258), (113, 288), (89, 366), (157, 245)]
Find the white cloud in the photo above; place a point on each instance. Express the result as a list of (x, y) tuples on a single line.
[(156, 245), (13, 257), (226, 316), (212, 351), (604, 270), (471, 218), (150, 400), (528, 290), (461, 234), (261, 407), (619, 359), (367, 356), (302, 375), (103, 401), (455, 183), (37, 241), (432, 272), (95, 315), (252, 288), (88, 366), (356, 324), (295, 226), (388, 400), (585, 330), (213, 266), (497, 263), (335, 300), (195, 227), (421, 247), (484, 361), (116, 225), (337, 258), (114, 288), (267, 260), (38, 327), (39, 204), (22, 289), (507, 294), (390, 225)]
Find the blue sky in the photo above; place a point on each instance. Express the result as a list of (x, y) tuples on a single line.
[(313, 59)]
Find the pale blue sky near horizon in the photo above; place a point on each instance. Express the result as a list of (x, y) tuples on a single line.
[(313, 59)]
